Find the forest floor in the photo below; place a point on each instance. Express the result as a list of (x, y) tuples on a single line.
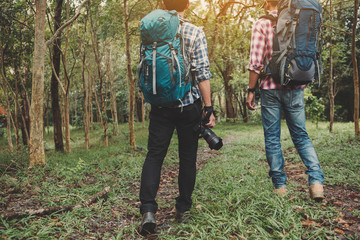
[(233, 198)]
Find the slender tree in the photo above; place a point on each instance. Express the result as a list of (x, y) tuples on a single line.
[(331, 74), (356, 70), (55, 107), (102, 81), (131, 80)]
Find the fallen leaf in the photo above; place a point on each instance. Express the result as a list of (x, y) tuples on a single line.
[(307, 223), (337, 230), (198, 207), (341, 221), (338, 204)]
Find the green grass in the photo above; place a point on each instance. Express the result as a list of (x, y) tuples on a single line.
[(232, 199)]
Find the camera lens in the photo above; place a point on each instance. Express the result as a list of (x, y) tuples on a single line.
[(210, 137)]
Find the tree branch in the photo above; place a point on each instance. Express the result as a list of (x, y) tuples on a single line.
[(56, 34), (49, 210)]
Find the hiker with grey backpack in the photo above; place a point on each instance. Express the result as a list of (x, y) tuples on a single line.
[(174, 78), (284, 55)]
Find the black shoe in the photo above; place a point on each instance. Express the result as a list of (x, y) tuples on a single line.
[(182, 216), (148, 224)]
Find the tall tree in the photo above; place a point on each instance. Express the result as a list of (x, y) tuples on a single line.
[(331, 74), (112, 82), (58, 137), (356, 70), (102, 81), (36, 146), (67, 84), (86, 88), (131, 80)]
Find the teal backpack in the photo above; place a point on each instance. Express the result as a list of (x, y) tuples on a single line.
[(164, 68)]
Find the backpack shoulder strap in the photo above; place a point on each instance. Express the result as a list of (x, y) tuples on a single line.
[(269, 17)]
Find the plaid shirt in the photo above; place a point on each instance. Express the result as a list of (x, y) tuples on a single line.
[(261, 49), (196, 47)]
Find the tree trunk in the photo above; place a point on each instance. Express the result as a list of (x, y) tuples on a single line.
[(220, 105), (331, 76), (86, 116), (356, 70), (58, 137), (36, 145), (102, 108), (67, 86), (138, 106), (91, 113), (229, 91), (242, 107), (25, 127), (130, 80), (112, 81)]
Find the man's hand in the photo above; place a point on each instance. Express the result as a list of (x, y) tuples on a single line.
[(211, 122), (250, 101)]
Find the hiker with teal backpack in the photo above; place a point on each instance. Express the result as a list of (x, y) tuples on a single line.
[(284, 55), (174, 78)]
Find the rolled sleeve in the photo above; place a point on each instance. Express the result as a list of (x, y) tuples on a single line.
[(200, 58), (257, 47)]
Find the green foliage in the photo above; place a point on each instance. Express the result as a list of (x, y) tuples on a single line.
[(314, 108)]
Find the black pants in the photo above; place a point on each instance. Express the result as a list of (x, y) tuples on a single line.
[(163, 121)]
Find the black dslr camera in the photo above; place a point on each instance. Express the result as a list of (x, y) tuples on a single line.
[(210, 137)]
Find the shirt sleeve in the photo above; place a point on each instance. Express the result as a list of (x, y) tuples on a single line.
[(200, 58), (257, 48)]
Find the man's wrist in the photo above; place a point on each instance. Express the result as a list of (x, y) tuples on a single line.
[(208, 108), (248, 89)]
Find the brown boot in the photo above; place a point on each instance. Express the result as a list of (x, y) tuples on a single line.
[(317, 192), (280, 191)]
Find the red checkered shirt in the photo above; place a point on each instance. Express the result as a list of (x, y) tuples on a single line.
[(261, 48)]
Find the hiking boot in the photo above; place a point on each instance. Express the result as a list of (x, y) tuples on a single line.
[(148, 224), (317, 192), (182, 216), (280, 191)]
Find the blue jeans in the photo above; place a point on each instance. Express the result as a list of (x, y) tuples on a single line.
[(292, 103)]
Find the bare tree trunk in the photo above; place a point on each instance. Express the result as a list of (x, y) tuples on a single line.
[(86, 104), (242, 106), (220, 105), (91, 102), (130, 80), (58, 137), (102, 110), (25, 129), (36, 146), (356, 70), (112, 81), (331, 76), (67, 85), (86, 116), (229, 91)]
